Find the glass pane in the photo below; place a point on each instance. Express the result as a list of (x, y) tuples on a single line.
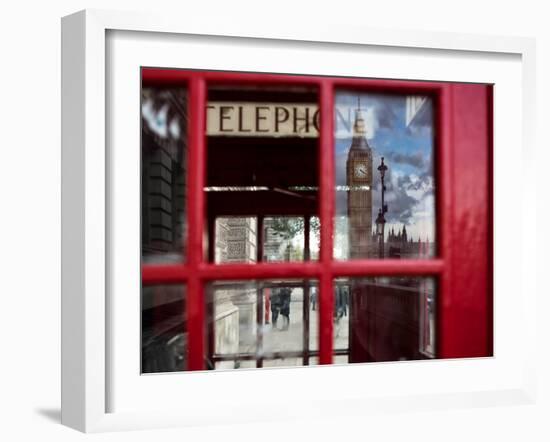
[(260, 321), (384, 318), (163, 332), (385, 202), (262, 150), (163, 174)]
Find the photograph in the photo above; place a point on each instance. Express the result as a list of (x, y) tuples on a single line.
[(261, 202)]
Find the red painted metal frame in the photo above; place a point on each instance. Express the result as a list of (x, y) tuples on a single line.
[(326, 217), (195, 213), (463, 147), (466, 315)]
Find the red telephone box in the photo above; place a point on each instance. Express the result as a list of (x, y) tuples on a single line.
[(263, 153)]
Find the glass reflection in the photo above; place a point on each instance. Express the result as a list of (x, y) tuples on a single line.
[(262, 321), (283, 239), (385, 203), (385, 318), (275, 323), (236, 240), (163, 177), (163, 332)]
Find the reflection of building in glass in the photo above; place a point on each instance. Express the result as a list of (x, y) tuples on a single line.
[(399, 245), (359, 180), (395, 319), (162, 321), (362, 240), (163, 164), (235, 240), (416, 110), (278, 242), (235, 309)]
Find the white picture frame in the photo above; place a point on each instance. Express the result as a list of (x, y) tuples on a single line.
[(87, 315)]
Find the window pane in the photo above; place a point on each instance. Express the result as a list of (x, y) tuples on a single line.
[(262, 150), (163, 174), (260, 321), (385, 202), (384, 318), (163, 332)]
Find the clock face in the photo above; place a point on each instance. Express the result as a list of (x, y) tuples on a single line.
[(360, 171)]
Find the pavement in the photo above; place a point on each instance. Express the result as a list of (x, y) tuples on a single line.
[(277, 339)]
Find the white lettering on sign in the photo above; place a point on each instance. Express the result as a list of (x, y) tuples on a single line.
[(262, 119)]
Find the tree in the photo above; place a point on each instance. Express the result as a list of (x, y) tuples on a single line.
[(289, 227)]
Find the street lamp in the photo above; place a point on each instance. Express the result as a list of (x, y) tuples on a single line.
[(380, 220), (382, 168)]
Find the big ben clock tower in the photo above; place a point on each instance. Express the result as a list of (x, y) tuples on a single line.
[(359, 181)]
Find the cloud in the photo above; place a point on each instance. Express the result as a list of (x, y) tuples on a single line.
[(378, 113), (385, 114), (407, 196), (400, 204), (415, 159)]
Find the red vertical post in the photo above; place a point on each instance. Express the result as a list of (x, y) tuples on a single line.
[(490, 210), (195, 213), (466, 301), (326, 215), (444, 210)]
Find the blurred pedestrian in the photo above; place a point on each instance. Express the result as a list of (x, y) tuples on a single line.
[(338, 303), (267, 304), (313, 297), (275, 300), (285, 306), (345, 299)]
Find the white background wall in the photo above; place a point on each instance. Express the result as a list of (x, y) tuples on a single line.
[(30, 215)]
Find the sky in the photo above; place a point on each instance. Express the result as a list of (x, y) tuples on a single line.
[(408, 154)]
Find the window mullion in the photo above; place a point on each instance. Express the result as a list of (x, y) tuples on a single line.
[(326, 215), (195, 214)]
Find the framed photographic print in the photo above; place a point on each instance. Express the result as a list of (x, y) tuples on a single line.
[(238, 213)]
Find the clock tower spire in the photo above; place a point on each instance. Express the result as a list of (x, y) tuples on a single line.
[(359, 182)]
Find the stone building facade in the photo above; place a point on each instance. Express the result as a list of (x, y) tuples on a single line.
[(235, 309), (164, 165)]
